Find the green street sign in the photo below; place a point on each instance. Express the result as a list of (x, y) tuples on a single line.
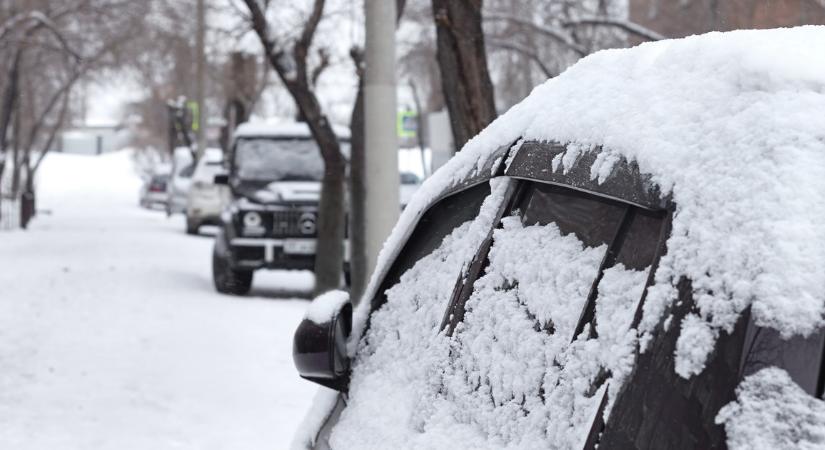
[(195, 114), (407, 124)]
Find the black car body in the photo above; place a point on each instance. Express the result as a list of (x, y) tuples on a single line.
[(630, 258), (274, 174), (625, 213)]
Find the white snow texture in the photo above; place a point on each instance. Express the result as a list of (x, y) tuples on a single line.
[(772, 412)]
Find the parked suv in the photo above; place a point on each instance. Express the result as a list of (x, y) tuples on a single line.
[(630, 258), (274, 174)]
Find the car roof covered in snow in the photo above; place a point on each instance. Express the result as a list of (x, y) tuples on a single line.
[(722, 123), (281, 129)]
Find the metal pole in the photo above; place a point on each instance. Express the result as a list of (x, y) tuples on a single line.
[(380, 135), (200, 77)]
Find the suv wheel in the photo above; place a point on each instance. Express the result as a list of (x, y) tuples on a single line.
[(228, 280)]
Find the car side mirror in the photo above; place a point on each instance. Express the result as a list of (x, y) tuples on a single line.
[(222, 178), (320, 345)]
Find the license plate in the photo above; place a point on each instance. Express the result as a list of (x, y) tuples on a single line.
[(299, 246)]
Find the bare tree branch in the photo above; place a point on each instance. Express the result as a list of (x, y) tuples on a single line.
[(323, 55), (626, 25), (559, 35), (524, 50), (61, 117), (311, 25)]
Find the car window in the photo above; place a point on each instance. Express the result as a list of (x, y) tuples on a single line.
[(520, 371), (402, 343), (593, 220), (800, 356), (187, 171)]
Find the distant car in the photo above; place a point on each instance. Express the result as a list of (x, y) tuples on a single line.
[(205, 200), (153, 193), (271, 223), (181, 179), (630, 258), (409, 184)]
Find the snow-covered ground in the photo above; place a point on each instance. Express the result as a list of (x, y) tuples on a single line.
[(112, 336)]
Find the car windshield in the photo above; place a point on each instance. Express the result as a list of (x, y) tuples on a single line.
[(278, 160)]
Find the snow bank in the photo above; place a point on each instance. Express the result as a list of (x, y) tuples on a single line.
[(772, 412)]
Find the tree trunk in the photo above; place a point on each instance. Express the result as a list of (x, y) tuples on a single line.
[(329, 259), (9, 102), (292, 70), (465, 79)]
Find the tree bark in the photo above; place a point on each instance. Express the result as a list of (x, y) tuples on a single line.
[(9, 99), (292, 70), (465, 79)]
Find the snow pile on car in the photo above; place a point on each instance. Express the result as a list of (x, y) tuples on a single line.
[(773, 413), (324, 308), (391, 371), (725, 123)]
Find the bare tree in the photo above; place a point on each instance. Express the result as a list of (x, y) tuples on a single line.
[(462, 57), (290, 62), (52, 46)]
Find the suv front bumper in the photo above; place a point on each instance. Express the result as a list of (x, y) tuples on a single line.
[(280, 253)]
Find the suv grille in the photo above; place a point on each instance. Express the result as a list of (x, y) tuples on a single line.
[(293, 222)]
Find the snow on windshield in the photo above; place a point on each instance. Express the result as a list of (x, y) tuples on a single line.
[(721, 121), (772, 412), (509, 377), (403, 341), (278, 160)]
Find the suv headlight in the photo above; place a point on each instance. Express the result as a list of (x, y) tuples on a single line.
[(253, 224), (252, 220)]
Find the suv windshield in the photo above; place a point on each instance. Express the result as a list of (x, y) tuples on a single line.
[(278, 160)]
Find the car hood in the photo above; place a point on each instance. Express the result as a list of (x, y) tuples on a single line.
[(280, 191)]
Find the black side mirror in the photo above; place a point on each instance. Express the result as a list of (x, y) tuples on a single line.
[(320, 344), (222, 178)]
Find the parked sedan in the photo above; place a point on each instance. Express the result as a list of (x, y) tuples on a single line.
[(205, 200), (630, 258), (153, 192), (180, 180)]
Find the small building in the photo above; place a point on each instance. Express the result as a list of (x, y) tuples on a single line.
[(91, 139)]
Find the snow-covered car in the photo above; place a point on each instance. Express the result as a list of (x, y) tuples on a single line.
[(274, 174), (630, 258), (180, 181), (153, 192), (205, 200)]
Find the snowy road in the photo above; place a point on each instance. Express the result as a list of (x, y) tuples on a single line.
[(112, 337)]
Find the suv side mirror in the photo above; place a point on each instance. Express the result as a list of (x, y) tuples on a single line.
[(222, 178), (320, 345)]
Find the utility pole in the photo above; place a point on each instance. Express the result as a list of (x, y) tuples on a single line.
[(200, 78), (380, 135)]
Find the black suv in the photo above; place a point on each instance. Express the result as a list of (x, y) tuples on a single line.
[(274, 174)]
